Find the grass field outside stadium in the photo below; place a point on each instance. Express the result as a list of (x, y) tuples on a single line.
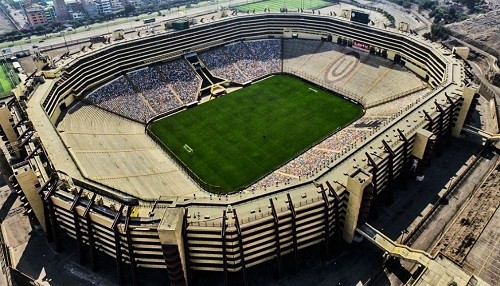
[(234, 140), (7, 82), (276, 5)]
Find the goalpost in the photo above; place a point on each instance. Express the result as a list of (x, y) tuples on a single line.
[(187, 148)]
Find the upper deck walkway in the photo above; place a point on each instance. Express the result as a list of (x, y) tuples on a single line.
[(439, 270)]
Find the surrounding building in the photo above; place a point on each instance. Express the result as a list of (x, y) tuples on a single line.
[(104, 6), (40, 16), (75, 9), (77, 15), (61, 10), (116, 6), (91, 7)]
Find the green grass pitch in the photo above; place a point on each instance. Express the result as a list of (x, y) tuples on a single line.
[(5, 83), (276, 5), (234, 140)]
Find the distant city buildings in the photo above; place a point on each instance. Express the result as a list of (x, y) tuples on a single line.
[(39, 13), (91, 7), (117, 6), (105, 6), (77, 15), (61, 10), (39, 16)]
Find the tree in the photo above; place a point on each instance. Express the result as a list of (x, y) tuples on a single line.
[(129, 9), (427, 5), (437, 32)]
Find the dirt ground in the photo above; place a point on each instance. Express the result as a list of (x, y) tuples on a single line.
[(5, 25), (484, 28)]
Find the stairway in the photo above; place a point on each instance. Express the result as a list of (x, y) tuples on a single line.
[(206, 76), (394, 248)]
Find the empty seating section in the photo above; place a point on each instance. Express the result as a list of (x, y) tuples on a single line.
[(367, 73), (98, 121), (390, 108), (84, 71), (366, 78), (155, 89), (119, 97), (396, 81), (296, 52), (244, 61), (117, 152), (182, 79)]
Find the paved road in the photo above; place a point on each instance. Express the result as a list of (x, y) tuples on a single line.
[(432, 231), (131, 23), (121, 23)]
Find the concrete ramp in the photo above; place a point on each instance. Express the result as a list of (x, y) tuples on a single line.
[(438, 271), (481, 133), (394, 248)]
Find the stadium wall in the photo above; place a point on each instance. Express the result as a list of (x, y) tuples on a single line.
[(293, 218), (85, 73)]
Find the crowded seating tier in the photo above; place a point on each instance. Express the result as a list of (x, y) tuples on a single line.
[(142, 94), (242, 62)]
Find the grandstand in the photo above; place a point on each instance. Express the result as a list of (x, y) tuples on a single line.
[(183, 81), (118, 96), (368, 79), (90, 171), (243, 62), (116, 152), (145, 93), (159, 96), (156, 90)]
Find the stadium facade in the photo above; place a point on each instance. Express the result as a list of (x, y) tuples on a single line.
[(186, 233)]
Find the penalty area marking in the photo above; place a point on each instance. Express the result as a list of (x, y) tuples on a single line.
[(313, 89)]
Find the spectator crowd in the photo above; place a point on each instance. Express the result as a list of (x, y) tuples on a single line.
[(157, 89), (244, 61), (119, 97), (142, 94)]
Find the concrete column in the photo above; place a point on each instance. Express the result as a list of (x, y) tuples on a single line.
[(421, 152), (468, 96), (356, 184), (277, 238), (170, 232)]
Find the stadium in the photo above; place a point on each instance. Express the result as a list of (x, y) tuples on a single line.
[(119, 148)]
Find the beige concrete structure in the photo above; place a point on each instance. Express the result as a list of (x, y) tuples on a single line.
[(172, 241), (438, 270), (468, 96), (356, 185), (419, 146), (118, 34), (462, 52), (6, 122), (153, 217), (118, 153), (28, 182)]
